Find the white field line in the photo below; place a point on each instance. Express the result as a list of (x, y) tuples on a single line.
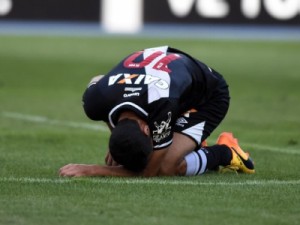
[(45, 120), (284, 150), (141, 181), (100, 127)]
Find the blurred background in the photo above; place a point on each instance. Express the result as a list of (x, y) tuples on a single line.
[(176, 18)]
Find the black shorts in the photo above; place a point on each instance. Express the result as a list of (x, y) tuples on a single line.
[(200, 121)]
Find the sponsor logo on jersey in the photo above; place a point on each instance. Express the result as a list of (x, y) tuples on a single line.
[(163, 129), (132, 89), (131, 94), (137, 79), (134, 92)]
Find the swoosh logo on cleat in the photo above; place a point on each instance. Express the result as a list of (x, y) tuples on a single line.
[(248, 163)]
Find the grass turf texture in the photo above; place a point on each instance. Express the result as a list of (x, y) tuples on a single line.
[(45, 77)]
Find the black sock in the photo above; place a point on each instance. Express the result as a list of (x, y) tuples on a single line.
[(217, 155)]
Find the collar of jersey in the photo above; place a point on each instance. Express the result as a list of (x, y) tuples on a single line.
[(125, 105)]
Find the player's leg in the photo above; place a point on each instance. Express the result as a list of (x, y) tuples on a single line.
[(191, 129), (181, 146), (226, 153), (181, 159)]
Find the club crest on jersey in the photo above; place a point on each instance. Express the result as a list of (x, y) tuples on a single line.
[(163, 129), (137, 79)]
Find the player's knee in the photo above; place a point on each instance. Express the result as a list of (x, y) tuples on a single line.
[(167, 169)]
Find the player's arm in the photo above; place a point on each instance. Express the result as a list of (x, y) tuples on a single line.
[(92, 170), (154, 168)]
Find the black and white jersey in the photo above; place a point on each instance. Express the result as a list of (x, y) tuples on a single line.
[(158, 84)]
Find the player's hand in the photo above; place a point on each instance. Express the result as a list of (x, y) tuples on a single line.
[(109, 161), (77, 170)]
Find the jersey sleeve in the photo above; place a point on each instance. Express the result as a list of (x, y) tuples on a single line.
[(161, 123)]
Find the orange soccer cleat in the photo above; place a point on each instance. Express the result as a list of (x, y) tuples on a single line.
[(241, 161)]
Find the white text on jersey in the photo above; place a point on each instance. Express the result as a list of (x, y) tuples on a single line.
[(126, 78)]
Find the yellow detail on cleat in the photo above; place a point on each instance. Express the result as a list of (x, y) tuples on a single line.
[(241, 160), (228, 170)]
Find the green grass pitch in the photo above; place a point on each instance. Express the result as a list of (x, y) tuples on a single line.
[(43, 127)]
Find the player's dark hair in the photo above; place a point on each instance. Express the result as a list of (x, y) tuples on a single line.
[(129, 146)]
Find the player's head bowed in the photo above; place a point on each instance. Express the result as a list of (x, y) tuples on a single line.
[(129, 146)]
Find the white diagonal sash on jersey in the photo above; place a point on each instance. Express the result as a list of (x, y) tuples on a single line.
[(154, 91)]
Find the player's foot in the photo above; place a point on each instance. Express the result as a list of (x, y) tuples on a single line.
[(241, 161)]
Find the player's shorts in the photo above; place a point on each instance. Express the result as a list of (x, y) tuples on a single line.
[(200, 121)]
